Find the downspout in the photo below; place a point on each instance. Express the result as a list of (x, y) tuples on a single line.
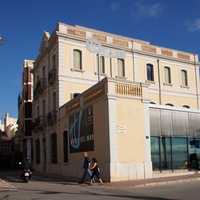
[(98, 72), (197, 93), (159, 84), (133, 63), (111, 74)]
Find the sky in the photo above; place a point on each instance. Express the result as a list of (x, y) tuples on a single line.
[(168, 23)]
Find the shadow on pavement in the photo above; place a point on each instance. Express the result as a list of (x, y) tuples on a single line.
[(88, 193)]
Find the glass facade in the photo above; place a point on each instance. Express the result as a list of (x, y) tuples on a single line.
[(175, 139)]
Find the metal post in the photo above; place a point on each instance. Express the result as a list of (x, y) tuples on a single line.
[(98, 74), (159, 83)]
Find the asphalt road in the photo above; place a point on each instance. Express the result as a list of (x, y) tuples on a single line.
[(44, 188)]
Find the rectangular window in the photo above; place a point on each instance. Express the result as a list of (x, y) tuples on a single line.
[(101, 64), (77, 56), (38, 111), (179, 153), (155, 152), (28, 127), (43, 72), (121, 67), (184, 78), (65, 145), (167, 72), (54, 61), (54, 101), (28, 109), (37, 153), (150, 72), (27, 75), (44, 108), (27, 92), (54, 148)]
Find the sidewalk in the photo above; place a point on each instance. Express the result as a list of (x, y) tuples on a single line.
[(156, 181), (132, 183)]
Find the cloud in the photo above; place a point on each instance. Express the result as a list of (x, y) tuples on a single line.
[(115, 6), (193, 25), (145, 10)]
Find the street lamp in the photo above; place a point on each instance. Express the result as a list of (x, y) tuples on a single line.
[(2, 39)]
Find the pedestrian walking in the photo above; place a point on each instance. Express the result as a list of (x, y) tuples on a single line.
[(86, 172), (95, 171)]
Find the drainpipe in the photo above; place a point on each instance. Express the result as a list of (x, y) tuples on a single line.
[(98, 72), (133, 63), (111, 74), (159, 83), (197, 93)]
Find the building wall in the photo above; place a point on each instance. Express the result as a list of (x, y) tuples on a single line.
[(100, 113), (69, 80)]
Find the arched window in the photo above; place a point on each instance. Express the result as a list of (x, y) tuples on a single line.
[(101, 64), (184, 77), (169, 104), (186, 106), (167, 72), (121, 67), (150, 73), (77, 55)]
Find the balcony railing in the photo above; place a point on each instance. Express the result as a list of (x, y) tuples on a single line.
[(52, 76), (38, 89), (38, 124), (128, 89), (43, 84), (52, 118)]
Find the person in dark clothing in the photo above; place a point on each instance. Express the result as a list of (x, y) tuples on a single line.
[(95, 171), (86, 169)]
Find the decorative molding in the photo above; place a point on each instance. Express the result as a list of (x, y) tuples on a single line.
[(76, 32), (77, 70), (166, 52), (168, 84), (148, 48), (183, 56), (120, 42), (185, 86), (100, 37)]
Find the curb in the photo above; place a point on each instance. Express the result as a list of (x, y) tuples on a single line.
[(166, 182)]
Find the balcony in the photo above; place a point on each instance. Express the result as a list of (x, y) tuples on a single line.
[(52, 76), (38, 89), (52, 118), (43, 84), (39, 124)]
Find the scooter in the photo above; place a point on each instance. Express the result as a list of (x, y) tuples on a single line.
[(27, 174)]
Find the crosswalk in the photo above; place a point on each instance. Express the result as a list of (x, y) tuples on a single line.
[(5, 186)]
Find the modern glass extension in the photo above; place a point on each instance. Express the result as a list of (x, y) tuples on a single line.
[(175, 139)]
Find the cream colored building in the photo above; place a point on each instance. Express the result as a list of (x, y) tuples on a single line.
[(142, 87), (9, 125)]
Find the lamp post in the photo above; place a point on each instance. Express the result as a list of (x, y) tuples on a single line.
[(2, 39)]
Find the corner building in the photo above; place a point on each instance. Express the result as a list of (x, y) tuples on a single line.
[(132, 105)]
